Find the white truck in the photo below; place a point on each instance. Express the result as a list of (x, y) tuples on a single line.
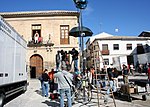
[(13, 75)]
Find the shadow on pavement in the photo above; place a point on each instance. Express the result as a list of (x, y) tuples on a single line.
[(126, 97), (52, 103), (38, 92)]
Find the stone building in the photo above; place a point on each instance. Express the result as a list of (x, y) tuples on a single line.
[(52, 29)]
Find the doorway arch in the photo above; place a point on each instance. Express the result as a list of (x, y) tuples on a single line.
[(36, 66)]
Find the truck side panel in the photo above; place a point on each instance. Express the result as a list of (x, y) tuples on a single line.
[(8, 62), (2, 56), (13, 75), (20, 68), (13, 49)]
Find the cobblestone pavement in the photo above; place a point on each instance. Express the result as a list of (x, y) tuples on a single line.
[(33, 98)]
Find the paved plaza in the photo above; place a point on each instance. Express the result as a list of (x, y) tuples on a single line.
[(33, 98)]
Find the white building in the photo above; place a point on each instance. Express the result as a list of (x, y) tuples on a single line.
[(118, 50)]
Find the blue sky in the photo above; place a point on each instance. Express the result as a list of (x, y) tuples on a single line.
[(129, 17)]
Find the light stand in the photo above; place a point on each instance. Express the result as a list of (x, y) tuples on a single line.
[(81, 4)]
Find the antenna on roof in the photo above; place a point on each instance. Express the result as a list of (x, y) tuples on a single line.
[(100, 27)]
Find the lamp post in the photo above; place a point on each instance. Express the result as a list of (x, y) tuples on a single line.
[(81, 4)]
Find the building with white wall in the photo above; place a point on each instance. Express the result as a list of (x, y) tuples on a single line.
[(118, 50)]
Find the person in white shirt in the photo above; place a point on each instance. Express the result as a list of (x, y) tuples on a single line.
[(132, 69), (36, 37)]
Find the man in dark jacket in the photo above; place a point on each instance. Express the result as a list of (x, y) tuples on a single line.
[(58, 60), (45, 84), (75, 54)]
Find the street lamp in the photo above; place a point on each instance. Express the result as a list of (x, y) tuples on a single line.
[(80, 4)]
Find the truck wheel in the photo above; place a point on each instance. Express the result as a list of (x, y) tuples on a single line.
[(144, 97), (2, 97), (25, 88)]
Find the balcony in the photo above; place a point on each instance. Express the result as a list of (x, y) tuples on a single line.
[(105, 52), (39, 44)]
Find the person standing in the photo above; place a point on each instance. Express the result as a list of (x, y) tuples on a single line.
[(148, 73), (63, 58), (58, 60), (92, 75), (132, 69), (77, 78), (41, 80), (45, 84), (102, 76), (75, 54), (125, 73), (137, 66), (116, 74), (36, 37), (112, 85), (51, 81), (64, 85)]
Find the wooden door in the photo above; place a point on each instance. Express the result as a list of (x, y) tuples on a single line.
[(36, 61)]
